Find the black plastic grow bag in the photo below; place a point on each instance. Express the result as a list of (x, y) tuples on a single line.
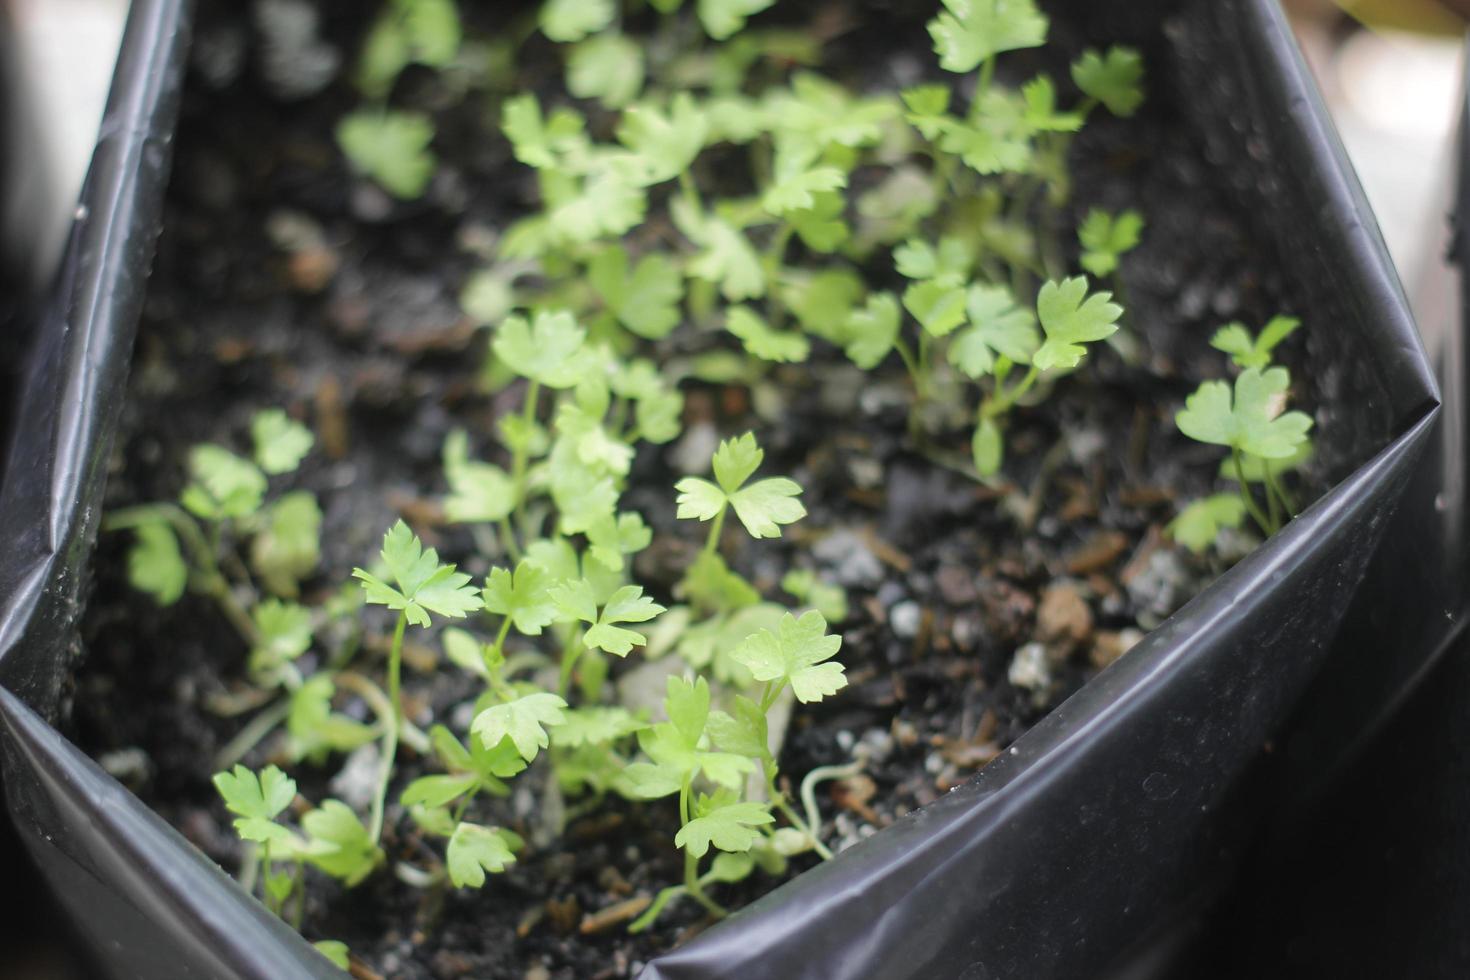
[(1127, 803)]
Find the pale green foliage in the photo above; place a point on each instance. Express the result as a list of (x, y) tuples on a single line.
[(420, 585), (283, 633), (572, 20), (731, 827), (222, 485), (316, 730), (974, 30), (1252, 421), (474, 850), (578, 600), (280, 442), (827, 599), (524, 596), (287, 546), (763, 342), (1253, 352), (998, 328), (155, 564), (523, 720), (797, 653), (338, 843), (334, 950), (645, 299), (608, 67), (1070, 318), (1199, 524), (256, 801), (424, 32), (1106, 237), (391, 147), (1115, 79), (546, 350), (664, 144), (761, 506)]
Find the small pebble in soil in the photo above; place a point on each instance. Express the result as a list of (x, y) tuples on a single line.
[(1162, 587), (1031, 669), (905, 618), (691, 454), (357, 781), (849, 558)]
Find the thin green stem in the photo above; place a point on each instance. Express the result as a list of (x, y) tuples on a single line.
[(521, 459), (508, 540), (690, 192), (1002, 401), (265, 876), (394, 719), (712, 543), (1245, 494), (805, 826), (691, 863), (569, 659), (982, 84), (251, 735), (1287, 500)]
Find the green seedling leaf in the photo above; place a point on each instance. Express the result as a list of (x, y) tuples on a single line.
[(155, 564), (628, 604), (829, 600), (288, 547), (762, 506), (928, 109), (524, 596), (523, 721), (549, 350), (1255, 468), (474, 850), (1247, 352), (1040, 96), (1114, 79), (339, 844), (1253, 422), (729, 828), (974, 30), (541, 142), (724, 18), (872, 330), (665, 145), (595, 726), (710, 584), (390, 147), (256, 801), (423, 584), (728, 260), (223, 485), (798, 653), (316, 730), (572, 20), (334, 950), (646, 302), (283, 633), (999, 328), (798, 177), (763, 342), (478, 492), (1105, 238), (280, 442), (1199, 524), (424, 32), (1071, 318), (608, 68), (612, 541), (987, 448), (438, 790), (938, 304), (917, 259)]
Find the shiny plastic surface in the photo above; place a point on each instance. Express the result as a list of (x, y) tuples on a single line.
[(1128, 802)]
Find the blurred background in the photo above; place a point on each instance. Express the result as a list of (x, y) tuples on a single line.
[(1390, 71)]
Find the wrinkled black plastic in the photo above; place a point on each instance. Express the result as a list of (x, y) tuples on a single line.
[(1063, 857), (1367, 872)]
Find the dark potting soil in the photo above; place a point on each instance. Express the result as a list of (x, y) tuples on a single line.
[(282, 280)]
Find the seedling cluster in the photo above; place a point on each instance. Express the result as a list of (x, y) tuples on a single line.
[(723, 190)]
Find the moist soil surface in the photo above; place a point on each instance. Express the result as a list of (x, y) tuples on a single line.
[(283, 280)]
